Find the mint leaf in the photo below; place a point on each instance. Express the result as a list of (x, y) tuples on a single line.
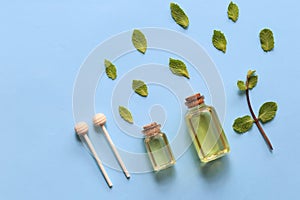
[(233, 12), (242, 124), (178, 67), (252, 81), (139, 41), (266, 39), (110, 69), (250, 73), (179, 15), (267, 111), (140, 87), (219, 41), (125, 114), (241, 85)]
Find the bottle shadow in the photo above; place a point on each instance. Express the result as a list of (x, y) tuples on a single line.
[(215, 169), (165, 175)]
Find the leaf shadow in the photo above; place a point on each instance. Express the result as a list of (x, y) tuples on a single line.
[(241, 93), (213, 170)]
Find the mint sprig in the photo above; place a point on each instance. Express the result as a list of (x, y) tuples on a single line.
[(267, 111)]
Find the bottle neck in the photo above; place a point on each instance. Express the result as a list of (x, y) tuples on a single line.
[(197, 106)]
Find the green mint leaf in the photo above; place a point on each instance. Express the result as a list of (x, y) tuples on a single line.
[(139, 41), (233, 12), (178, 67), (250, 73), (241, 85), (219, 41), (125, 114), (266, 39), (252, 81), (242, 124), (179, 16), (267, 111), (110, 69), (140, 87)]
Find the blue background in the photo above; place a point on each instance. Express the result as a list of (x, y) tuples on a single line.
[(43, 44)]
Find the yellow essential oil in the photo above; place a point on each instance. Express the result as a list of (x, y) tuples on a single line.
[(205, 129), (158, 147)]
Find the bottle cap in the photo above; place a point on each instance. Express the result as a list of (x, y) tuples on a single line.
[(151, 129), (194, 100)]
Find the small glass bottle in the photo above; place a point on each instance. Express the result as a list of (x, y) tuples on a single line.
[(158, 147), (205, 129)]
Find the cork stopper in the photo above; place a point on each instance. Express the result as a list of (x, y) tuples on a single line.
[(151, 129), (194, 100)]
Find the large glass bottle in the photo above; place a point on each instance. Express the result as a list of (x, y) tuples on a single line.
[(158, 147), (205, 129)]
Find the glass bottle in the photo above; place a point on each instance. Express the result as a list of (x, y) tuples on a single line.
[(205, 129), (158, 147)]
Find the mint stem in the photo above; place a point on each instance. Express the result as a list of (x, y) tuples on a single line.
[(257, 121)]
